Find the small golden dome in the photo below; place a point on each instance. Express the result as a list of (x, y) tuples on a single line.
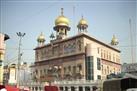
[(62, 20), (114, 40), (41, 38), (82, 22)]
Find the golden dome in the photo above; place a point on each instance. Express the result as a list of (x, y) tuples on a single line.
[(114, 40), (62, 20), (83, 22), (41, 38)]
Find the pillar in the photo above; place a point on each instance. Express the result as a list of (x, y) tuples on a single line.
[(69, 88), (38, 88), (34, 89), (63, 88), (76, 88), (30, 88), (83, 88)]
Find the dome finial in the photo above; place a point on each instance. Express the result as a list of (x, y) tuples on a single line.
[(41, 33), (114, 40), (62, 20), (82, 17), (41, 37), (82, 25), (61, 26), (62, 11), (83, 21)]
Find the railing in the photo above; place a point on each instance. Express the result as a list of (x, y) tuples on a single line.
[(33, 86), (84, 84), (77, 82), (79, 85)]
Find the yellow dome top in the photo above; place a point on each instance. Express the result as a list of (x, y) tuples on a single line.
[(41, 38), (62, 20), (82, 22), (114, 40)]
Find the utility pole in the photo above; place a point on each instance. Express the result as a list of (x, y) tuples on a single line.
[(131, 41), (20, 35)]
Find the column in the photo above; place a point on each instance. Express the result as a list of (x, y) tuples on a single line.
[(76, 88), (83, 88), (63, 89), (69, 88), (38, 88), (41, 88), (91, 88), (31, 89)]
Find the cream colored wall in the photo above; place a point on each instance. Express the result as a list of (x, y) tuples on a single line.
[(2, 44), (2, 47), (103, 48), (94, 52), (113, 53), (112, 69), (1, 75), (2, 53)]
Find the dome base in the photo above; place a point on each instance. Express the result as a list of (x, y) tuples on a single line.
[(56, 28)]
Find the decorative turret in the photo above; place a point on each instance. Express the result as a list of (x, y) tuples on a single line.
[(52, 36), (114, 40), (61, 26), (82, 25), (41, 39)]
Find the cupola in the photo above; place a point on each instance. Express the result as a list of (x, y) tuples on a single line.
[(61, 26), (82, 25), (114, 40), (41, 39)]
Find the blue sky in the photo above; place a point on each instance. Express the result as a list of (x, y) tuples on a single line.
[(105, 18)]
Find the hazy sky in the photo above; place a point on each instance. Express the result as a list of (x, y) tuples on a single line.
[(105, 18)]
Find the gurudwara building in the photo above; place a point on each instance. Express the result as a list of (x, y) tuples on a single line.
[(77, 57)]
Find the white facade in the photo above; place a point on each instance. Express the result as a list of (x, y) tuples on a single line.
[(92, 52)]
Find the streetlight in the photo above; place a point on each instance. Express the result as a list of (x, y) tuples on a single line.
[(20, 35)]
